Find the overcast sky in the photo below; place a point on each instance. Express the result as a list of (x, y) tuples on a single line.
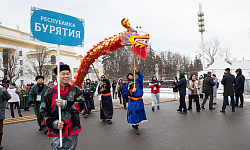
[(171, 24)]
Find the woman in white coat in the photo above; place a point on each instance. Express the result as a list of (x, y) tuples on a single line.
[(13, 91)]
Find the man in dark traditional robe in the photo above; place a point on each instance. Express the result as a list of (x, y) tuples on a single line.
[(36, 95), (71, 103), (106, 105)]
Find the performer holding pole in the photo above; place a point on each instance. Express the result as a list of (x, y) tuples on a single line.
[(71, 103), (136, 112)]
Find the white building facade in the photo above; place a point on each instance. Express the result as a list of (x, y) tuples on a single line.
[(16, 40)]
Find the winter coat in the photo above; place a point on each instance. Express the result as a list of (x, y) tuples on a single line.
[(13, 91), (228, 81), (181, 84), (208, 85), (114, 84), (121, 88), (239, 82), (190, 85), (154, 89), (215, 87), (201, 89), (4, 96), (117, 88)]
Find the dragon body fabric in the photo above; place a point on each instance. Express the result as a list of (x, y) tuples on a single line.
[(138, 41)]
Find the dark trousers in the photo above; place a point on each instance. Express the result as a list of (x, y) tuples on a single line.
[(225, 100), (196, 99), (182, 102), (120, 98), (210, 101), (201, 95), (114, 94), (239, 95), (125, 100), (11, 108)]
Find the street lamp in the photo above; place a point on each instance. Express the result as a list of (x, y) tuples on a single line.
[(201, 25)]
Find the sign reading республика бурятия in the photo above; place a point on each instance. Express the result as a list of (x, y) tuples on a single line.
[(56, 28)]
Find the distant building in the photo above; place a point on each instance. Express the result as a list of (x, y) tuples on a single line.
[(12, 40), (219, 66)]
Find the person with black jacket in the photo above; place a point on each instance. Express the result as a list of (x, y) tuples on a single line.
[(208, 84), (181, 84), (114, 83), (239, 87), (120, 91), (228, 81), (88, 101)]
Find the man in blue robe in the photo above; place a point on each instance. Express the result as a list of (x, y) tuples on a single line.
[(136, 112)]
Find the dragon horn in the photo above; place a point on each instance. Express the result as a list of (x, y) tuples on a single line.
[(126, 24)]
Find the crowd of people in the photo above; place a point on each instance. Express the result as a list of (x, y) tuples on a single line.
[(44, 98), (205, 87)]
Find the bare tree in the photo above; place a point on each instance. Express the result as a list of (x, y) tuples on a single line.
[(12, 64), (211, 48), (227, 55), (39, 60)]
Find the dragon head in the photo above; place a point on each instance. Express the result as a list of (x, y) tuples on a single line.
[(131, 37)]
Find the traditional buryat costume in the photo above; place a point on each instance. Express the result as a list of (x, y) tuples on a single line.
[(36, 95), (24, 103), (72, 105), (106, 108), (136, 112)]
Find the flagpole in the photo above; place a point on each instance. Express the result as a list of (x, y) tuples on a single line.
[(96, 72), (58, 85), (134, 70)]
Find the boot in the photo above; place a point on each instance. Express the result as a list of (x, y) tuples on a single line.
[(1, 137)]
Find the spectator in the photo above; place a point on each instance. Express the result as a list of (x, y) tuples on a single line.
[(239, 87), (13, 91), (117, 90), (120, 91), (114, 88), (193, 86), (208, 90), (228, 81), (175, 89), (215, 87), (181, 84), (155, 91), (4, 96), (201, 81)]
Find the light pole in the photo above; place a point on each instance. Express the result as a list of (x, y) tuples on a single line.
[(201, 25)]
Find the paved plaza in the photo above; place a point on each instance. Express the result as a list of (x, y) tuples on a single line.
[(166, 129)]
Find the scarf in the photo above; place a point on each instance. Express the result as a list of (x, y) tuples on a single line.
[(62, 92)]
